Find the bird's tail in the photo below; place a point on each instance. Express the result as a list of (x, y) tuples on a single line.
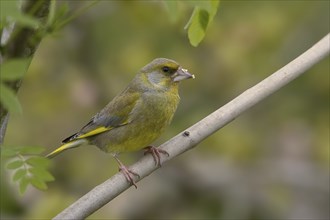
[(66, 146)]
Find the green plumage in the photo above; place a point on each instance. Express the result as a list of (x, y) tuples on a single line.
[(146, 112), (138, 115)]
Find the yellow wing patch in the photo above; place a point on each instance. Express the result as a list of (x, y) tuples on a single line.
[(94, 132)]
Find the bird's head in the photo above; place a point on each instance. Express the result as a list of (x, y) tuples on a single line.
[(163, 73)]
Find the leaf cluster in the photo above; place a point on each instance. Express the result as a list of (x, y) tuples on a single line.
[(12, 70), (12, 21), (10, 12), (29, 168)]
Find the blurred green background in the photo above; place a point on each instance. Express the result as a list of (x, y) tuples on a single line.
[(270, 163)]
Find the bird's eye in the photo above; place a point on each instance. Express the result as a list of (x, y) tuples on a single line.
[(166, 69)]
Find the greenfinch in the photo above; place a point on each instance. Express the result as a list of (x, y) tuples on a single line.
[(135, 117)]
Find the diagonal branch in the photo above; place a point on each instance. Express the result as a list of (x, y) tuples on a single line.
[(111, 188)]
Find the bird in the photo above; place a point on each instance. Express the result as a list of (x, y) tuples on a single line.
[(135, 117)]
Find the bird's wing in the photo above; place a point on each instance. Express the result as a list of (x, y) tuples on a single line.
[(117, 113)]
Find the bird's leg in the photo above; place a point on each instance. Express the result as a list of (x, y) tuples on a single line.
[(127, 172), (155, 152)]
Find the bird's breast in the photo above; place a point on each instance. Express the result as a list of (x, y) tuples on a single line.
[(160, 107), (151, 115)]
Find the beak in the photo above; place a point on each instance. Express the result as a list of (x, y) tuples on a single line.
[(182, 74)]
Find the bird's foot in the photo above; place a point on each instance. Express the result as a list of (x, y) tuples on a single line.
[(155, 152), (128, 174)]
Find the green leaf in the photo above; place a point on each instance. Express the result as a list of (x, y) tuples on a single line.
[(62, 12), (25, 20), (38, 183), (51, 15), (19, 174), (197, 26), (9, 99), (38, 161), (7, 151), (31, 170), (15, 164), (10, 10), (14, 69), (31, 150), (199, 21), (41, 174), (10, 151), (209, 5), (23, 184)]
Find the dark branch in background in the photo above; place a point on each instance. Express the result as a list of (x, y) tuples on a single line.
[(111, 188), (22, 43)]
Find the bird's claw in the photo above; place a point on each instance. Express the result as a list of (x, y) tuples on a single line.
[(155, 152), (128, 175), (127, 172)]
